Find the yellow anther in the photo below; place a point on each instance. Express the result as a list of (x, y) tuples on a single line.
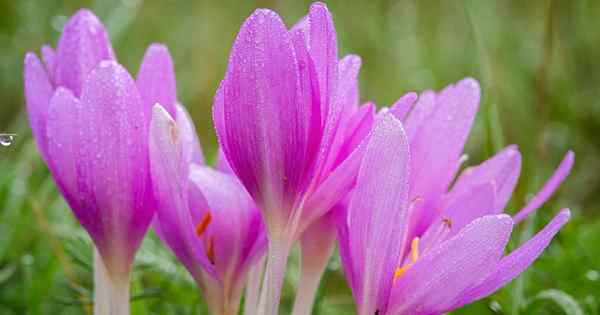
[(201, 227), (400, 271), (414, 256), (414, 250)]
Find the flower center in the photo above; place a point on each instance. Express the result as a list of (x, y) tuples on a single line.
[(414, 256)]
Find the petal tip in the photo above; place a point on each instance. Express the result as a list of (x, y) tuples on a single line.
[(319, 6), (565, 214), (159, 112), (30, 59), (570, 156), (470, 83), (85, 16), (158, 48)]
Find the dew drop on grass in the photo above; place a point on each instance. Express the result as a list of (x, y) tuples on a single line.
[(6, 139)]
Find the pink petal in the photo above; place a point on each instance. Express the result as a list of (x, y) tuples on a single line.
[(355, 130), (63, 150), (191, 147), (550, 186), (438, 278), (113, 175), (334, 187), (83, 44), (424, 106), (237, 228), (169, 173), (380, 197), (260, 114), (437, 146), (49, 57), (516, 262), (404, 105), (38, 91), (503, 170), (156, 79), (223, 164), (347, 87), (322, 46), (464, 209)]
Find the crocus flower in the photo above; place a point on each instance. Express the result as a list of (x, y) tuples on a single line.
[(205, 216), (277, 113), (90, 120), (394, 268)]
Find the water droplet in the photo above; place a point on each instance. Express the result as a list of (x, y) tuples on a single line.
[(6, 139)]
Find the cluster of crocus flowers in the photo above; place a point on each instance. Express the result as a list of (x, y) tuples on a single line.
[(300, 162)]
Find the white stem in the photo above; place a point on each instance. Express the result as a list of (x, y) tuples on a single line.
[(316, 247), (111, 294), (253, 288), (279, 250), (307, 289)]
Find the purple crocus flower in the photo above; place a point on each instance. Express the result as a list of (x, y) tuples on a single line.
[(205, 216), (90, 120), (278, 115), (393, 267)]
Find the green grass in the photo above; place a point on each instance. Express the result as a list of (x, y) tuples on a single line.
[(536, 60)]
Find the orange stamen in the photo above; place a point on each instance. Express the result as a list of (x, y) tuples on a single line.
[(414, 249), (414, 256), (203, 225), (210, 250)]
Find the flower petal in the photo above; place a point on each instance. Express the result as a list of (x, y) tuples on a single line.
[(437, 279), (355, 130), (49, 57), (222, 163), (113, 175), (63, 145), (516, 262), (470, 205), (322, 44), (260, 117), (347, 87), (347, 103), (169, 172), (380, 197), (38, 91), (236, 226), (156, 79), (503, 170), (83, 44), (436, 147), (424, 106), (333, 188), (404, 105), (550, 186), (192, 151)]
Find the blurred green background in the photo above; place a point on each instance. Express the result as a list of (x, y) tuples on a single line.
[(537, 62)]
